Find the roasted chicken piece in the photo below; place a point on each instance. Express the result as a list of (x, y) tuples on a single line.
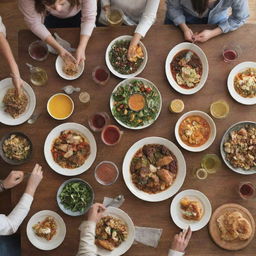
[(105, 244), (164, 161), (165, 176)]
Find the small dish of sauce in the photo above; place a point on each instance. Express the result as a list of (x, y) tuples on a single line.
[(38, 50), (111, 135), (98, 121), (106, 173), (100, 75)]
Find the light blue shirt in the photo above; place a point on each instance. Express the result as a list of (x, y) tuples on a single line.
[(217, 15)]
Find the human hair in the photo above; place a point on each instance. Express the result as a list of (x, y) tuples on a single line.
[(40, 4), (200, 6)]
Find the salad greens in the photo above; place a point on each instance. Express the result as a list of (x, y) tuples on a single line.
[(125, 114), (76, 196)]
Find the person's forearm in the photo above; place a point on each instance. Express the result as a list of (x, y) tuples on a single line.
[(8, 55), (184, 27), (83, 42), (216, 31), (136, 38), (53, 43)]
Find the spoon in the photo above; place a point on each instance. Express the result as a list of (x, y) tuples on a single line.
[(115, 200), (34, 117), (69, 89), (189, 54)]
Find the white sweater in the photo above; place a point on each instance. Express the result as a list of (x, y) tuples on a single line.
[(2, 27), (9, 224), (141, 12)]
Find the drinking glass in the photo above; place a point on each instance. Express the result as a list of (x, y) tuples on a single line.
[(114, 17), (98, 121), (38, 50), (106, 173), (211, 163), (231, 52), (247, 190)]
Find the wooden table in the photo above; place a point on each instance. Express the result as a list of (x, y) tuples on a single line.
[(219, 188)]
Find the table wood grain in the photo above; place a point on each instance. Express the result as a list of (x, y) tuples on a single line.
[(220, 188)]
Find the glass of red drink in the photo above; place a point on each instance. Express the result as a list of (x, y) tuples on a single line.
[(106, 173), (38, 50), (100, 75), (231, 52), (98, 121), (111, 135), (247, 190)]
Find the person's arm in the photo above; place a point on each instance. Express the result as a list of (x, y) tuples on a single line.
[(175, 12), (240, 12), (87, 245), (6, 52), (89, 12)]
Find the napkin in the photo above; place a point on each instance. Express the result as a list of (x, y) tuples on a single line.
[(143, 235), (65, 44)]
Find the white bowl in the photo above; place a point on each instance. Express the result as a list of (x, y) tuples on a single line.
[(72, 102), (110, 67), (200, 54), (174, 188), (212, 136), (59, 64), (237, 69)]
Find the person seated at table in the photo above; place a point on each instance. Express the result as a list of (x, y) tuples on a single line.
[(87, 245), (180, 243), (9, 224), (42, 14), (137, 12), (183, 12), (6, 52)]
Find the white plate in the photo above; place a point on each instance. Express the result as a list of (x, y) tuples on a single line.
[(125, 246), (127, 81), (237, 69), (40, 242), (59, 64), (176, 213), (6, 118), (110, 67), (200, 54), (54, 134), (225, 137), (174, 188), (212, 136)]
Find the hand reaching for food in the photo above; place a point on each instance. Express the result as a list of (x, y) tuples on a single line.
[(189, 35), (13, 179), (181, 240), (95, 212), (67, 57), (133, 48), (34, 180), (80, 55), (18, 83)]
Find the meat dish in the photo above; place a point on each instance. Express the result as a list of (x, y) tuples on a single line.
[(240, 148), (110, 232), (191, 209), (153, 168), (70, 149), (15, 105), (194, 131), (186, 69), (46, 228)]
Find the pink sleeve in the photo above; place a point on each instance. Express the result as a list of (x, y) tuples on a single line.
[(89, 12), (33, 19)]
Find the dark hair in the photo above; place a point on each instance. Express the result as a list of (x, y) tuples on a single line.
[(200, 6), (40, 4)]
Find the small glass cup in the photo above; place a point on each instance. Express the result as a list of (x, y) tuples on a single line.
[(38, 50), (114, 17), (219, 109), (106, 173), (200, 173), (38, 76), (84, 97), (100, 75), (98, 121), (111, 135), (231, 52), (247, 190), (211, 163)]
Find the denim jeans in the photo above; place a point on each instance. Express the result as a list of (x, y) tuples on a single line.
[(10, 245)]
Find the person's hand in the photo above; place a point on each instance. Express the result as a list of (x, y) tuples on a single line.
[(80, 55), (18, 83), (106, 9), (34, 180), (181, 240), (133, 46), (67, 56), (188, 35), (204, 36), (13, 179), (95, 212)]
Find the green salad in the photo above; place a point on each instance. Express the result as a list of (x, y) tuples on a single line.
[(135, 103), (76, 196)]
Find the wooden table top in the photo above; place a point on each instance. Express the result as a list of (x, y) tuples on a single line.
[(220, 188)]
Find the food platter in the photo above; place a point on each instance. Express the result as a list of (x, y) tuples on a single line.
[(42, 243), (6, 118), (169, 192), (55, 133), (152, 103), (111, 68), (211, 135), (215, 233), (124, 246), (205, 67), (59, 63), (230, 83), (176, 212), (235, 127)]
